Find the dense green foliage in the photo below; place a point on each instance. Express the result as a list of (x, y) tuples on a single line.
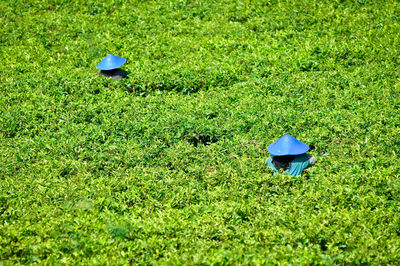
[(168, 166)]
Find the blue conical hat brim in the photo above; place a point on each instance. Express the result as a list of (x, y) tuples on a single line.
[(111, 62), (287, 145)]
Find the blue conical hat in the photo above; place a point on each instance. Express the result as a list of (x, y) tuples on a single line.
[(287, 145), (111, 62)]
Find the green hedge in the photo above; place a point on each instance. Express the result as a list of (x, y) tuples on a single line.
[(168, 166)]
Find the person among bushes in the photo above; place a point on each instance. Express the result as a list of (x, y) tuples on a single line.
[(290, 155), (109, 67)]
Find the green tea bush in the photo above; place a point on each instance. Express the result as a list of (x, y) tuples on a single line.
[(168, 165)]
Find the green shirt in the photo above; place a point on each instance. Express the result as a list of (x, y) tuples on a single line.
[(299, 163)]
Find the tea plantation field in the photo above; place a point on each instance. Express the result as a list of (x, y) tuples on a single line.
[(168, 165)]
